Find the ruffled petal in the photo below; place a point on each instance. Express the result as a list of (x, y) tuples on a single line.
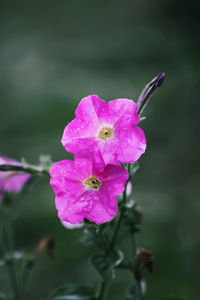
[(75, 170), (110, 151), (16, 183), (12, 181), (85, 126), (70, 210), (76, 131), (114, 181), (66, 183), (90, 157), (132, 143), (86, 110), (125, 110), (79, 144), (101, 211)]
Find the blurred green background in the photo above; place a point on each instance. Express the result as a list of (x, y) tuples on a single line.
[(52, 54)]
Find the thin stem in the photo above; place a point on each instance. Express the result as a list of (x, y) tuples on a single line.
[(121, 215), (113, 239), (34, 170), (139, 290), (25, 281), (10, 263), (133, 241), (13, 280), (9, 235), (102, 290), (117, 228)]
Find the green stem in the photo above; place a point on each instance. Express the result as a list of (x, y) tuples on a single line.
[(139, 290), (9, 236), (9, 262), (121, 215), (25, 281), (102, 290), (133, 243), (13, 280), (114, 237), (117, 228), (34, 170)]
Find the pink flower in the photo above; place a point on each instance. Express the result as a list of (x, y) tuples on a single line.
[(87, 188), (11, 181), (109, 126)]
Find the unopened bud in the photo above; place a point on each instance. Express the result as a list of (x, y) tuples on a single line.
[(148, 91), (48, 244), (144, 258)]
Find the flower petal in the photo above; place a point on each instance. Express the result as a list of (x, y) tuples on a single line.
[(16, 183), (99, 212), (78, 170), (87, 112), (70, 210), (78, 134), (110, 151), (124, 110), (115, 178), (132, 143)]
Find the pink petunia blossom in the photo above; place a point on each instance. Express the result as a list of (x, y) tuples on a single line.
[(109, 126), (87, 188), (11, 181)]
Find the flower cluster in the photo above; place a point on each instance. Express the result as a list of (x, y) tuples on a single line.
[(101, 136), (11, 181)]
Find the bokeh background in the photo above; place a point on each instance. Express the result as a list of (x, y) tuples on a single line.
[(52, 54)]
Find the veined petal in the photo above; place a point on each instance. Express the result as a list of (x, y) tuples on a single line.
[(86, 110), (100, 124), (12, 181), (75, 131), (101, 211), (115, 178), (110, 151), (125, 110), (16, 183), (132, 143), (70, 210)]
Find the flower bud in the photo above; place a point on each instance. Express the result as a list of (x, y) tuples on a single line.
[(144, 258), (148, 91), (48, 244)]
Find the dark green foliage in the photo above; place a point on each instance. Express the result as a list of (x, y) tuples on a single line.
[(73, 292)]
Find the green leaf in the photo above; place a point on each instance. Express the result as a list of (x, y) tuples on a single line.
[(92, 236), (73, 292), (133, 219), (3, 296), (134, 168), (105, 264), (173, 298), (131, 292)]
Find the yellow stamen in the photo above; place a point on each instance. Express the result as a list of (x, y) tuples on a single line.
[(92, 183), (105, 133)]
